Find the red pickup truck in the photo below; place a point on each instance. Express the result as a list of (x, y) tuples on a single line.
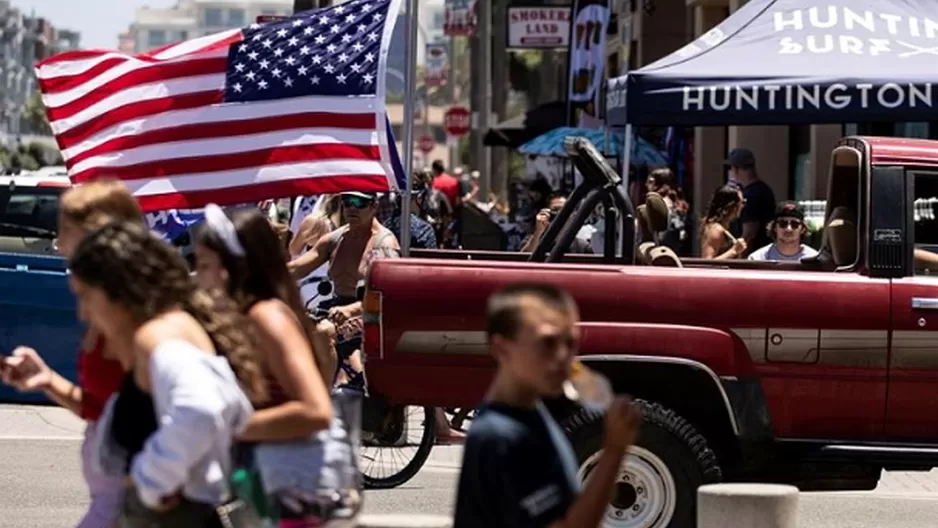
[(820, 373)]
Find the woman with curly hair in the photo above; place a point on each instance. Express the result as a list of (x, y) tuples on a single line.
[(716, 241), (81, 210), (191, 370)]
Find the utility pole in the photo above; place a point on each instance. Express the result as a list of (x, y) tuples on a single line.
[(500, 88), (482, 105)]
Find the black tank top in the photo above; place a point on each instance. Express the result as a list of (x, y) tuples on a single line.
[(134, 417)]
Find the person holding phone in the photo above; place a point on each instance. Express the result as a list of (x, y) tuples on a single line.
[(555, 203), (519, 469)]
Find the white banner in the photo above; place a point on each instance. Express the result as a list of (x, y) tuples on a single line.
[(436, 65), (538, 27), (459, 18)]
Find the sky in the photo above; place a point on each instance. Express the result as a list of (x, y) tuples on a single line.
[(99, 21)]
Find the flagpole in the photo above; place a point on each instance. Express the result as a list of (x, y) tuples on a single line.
[(410, 96)]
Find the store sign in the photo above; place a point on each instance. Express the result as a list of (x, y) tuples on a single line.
[(538, 27), (836, 96), (436, 65), (841, 30), (459, 18)]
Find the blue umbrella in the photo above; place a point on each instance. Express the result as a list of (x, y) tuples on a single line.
[(551, 144)]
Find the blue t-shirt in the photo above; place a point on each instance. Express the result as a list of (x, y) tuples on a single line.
[(518, 470), (422, 234), (771, 252)]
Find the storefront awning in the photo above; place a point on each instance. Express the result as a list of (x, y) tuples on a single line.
[(793, 61)]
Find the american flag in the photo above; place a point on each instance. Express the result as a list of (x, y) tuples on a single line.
[(294, 107)]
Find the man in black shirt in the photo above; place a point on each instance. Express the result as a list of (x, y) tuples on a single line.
[(759, 199), (519, 470)]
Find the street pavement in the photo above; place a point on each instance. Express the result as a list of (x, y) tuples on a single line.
[(41, 484)]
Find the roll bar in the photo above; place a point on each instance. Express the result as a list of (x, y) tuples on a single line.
[(601, 184)]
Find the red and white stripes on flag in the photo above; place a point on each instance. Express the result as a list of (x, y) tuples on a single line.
[(159, 123)]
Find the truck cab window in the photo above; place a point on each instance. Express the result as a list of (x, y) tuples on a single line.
[(925, 216)]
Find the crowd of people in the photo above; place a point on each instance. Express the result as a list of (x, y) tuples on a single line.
[(212, 393), (208, 396)]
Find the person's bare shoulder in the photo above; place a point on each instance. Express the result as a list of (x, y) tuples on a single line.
[(172, 326), (272, 316)]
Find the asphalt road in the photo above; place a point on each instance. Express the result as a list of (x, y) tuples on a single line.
[(41, 484)]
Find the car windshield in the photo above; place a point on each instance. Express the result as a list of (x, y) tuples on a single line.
[(29, 211)]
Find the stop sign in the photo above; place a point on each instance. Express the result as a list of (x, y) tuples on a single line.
[(457, 121), (426, 144)]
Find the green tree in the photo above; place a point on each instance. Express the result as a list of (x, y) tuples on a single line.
[(35, 113)]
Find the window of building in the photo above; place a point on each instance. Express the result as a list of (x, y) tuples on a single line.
[(925, 214), (212, 17), (182, 35), (156, 37), (438, 20), (237, 18)]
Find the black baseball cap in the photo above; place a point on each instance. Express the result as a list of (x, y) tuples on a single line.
[(789, 209), (740, 157)]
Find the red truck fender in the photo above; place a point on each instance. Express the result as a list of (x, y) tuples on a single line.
[(721, 352), (704, 374)]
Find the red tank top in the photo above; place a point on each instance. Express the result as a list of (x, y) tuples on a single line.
[(98, 378)]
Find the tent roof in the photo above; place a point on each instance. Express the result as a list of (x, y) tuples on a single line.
[(793, 61)]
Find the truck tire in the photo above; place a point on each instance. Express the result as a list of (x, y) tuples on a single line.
[(657, 485)]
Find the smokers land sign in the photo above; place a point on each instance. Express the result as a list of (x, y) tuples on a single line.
[(838, 36), (532, 27)]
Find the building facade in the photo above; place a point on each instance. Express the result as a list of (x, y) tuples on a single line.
[(793, 160), (155, 27), (24, 40)]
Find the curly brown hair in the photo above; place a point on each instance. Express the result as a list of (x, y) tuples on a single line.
[(148, 277)]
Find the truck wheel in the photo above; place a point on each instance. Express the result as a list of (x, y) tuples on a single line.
[(658, 480)]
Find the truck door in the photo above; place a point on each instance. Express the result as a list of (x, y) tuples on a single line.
[(912, 408)]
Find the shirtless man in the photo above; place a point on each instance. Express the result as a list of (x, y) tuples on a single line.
[(349, 250)]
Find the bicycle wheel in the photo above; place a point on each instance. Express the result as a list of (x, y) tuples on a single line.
[(395, 442)]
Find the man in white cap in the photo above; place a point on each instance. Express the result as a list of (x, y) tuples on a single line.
[(349, 250)]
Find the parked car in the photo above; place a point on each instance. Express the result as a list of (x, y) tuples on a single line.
[(36, 305)]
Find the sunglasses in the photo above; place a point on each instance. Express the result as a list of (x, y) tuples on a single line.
[(785, 224), (356, 202)]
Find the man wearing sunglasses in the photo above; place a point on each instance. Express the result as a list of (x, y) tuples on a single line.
[(349, 250), (786, 229)]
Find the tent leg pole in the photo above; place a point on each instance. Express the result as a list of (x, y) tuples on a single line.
[(626, 166)]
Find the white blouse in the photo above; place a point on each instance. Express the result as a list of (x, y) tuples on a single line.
[(200, 409)]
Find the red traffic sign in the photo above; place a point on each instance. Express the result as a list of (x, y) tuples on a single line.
[(426, 144), (457, 121)]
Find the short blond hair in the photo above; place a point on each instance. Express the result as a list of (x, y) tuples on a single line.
[(94, 204)]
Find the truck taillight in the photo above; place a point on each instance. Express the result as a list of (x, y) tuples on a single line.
[(371, 304), (372, 332)]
